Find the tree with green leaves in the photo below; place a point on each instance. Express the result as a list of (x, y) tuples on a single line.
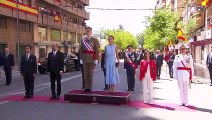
[(122, 38), (161, 29)]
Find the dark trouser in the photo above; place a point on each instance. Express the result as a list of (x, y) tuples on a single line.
[(130, 78), (55, 77), (88, 69), (83, 82), (8, 73), (210, 71), (29, 83), (158, 70), (104, 71), (170, 64)]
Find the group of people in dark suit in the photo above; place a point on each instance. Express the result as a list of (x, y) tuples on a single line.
[(55, 69)]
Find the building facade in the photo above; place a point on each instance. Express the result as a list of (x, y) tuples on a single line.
[(41, 23)]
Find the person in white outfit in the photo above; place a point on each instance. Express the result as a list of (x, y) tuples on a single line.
[(147, 76), (183, 70)]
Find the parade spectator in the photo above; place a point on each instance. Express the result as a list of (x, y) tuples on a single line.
[(169, 58), (111, 64), (28, 70), (8, 62), (183, 70), (130, 65), (209, 64), (159, 62), (55, 68), (147, 76)]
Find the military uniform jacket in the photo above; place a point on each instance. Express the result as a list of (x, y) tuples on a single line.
[(85, 55), (188, 63), (133, 58)]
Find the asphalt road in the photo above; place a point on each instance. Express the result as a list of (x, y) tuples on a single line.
[(166, 96)]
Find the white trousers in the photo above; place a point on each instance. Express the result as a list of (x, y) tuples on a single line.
[(148, 90), (183, 87)]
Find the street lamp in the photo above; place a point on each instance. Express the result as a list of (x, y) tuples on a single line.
[(17, 34)]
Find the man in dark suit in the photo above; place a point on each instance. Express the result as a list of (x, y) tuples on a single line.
[(104, 69), (8, 63), (159, 62), (28, 70), (130, 65), (209, 64), (55, 68)]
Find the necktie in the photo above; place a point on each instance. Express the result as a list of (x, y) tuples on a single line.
[(54, 53), (6, 56), (27, 56)]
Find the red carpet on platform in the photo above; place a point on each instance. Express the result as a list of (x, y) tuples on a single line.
[(106, 97)]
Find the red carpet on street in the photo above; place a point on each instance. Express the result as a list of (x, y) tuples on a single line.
[(134, 104)]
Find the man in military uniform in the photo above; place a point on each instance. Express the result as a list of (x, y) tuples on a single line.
[(130, 65), (89, 56), (183, 70)]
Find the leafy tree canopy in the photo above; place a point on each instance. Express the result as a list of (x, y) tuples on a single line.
[(122, 38)]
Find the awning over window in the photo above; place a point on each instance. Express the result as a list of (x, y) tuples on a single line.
[(201, 42)]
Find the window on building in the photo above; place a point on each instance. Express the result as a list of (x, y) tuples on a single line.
[(24, 26), (2, 46), (79, 37), (42, 34), (54, 35), (72, 37), (3, 22), (65, 35)]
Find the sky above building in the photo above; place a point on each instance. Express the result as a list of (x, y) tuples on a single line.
[(132, 21)]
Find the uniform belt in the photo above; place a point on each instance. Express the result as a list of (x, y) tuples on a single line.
[(183, 68), (90, 52), (188, 69)]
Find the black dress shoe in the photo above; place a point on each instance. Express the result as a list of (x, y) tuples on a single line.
[(30, 96), (128, 90), (87, 90), (105, 89), (26, 96), (132, 90), (57, 98), (183, 104), (52, 97), (7, 84), (211, 85)]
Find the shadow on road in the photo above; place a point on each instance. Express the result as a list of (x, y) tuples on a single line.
[(200, 109)]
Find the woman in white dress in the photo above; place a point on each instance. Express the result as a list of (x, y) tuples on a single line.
[(147, 76)]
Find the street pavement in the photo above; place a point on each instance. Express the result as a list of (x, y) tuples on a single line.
[(166, 101)]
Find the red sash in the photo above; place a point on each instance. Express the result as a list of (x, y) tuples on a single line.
[(89, 49), (133, 64), (185, 68)]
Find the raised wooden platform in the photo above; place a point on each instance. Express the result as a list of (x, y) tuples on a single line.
[(105, 97)]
